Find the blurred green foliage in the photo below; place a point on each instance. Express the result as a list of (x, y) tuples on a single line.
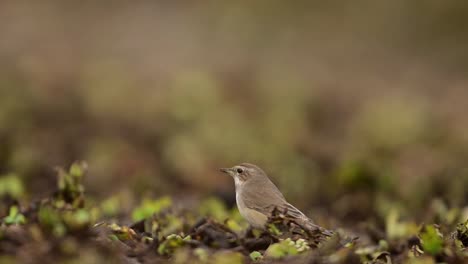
[(462, 233), (14, 216), (171, 243), (286, 247), (12, 186), (396, 228), (387, 146), (51, 220), (361, 120), (256, 256), (110, 206), (211, 232), (215, 208), (432, 240), (150, 207), (70, 185), (67, 212)]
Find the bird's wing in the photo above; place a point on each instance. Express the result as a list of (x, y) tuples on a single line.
[(263, 199), (293, 212), (267, 198), (266, 202), (305, 221)]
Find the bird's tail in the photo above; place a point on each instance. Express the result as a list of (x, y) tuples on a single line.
[(305, 222), (309, 225)]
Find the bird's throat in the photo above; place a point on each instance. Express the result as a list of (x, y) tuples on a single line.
[(238, 182)]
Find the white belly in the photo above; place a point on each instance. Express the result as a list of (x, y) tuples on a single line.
[(255, 218)]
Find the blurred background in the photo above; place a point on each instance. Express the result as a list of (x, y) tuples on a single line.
[(351, 108)]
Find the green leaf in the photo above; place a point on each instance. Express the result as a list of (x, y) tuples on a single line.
[(432, 240), (215, 208), (462, 233), (255, 256), (233, 225), (78, 219), (11, 185), (14, 217), (302, 245), (61, 181), (398, 229), (52, 221), (171, 243), (282, 249), (150, 207), (122, 233), (274, 230), (78, 169)]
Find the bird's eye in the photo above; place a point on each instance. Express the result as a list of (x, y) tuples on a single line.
[(239, 170)]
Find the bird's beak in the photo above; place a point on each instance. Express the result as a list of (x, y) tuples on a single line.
[(225, 170)]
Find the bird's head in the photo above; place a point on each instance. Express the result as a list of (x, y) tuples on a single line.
[(244, 172)]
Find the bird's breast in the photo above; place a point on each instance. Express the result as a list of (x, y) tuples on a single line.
[(254, 217)]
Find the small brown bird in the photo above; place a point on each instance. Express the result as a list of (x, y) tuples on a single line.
[(257, 197)]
